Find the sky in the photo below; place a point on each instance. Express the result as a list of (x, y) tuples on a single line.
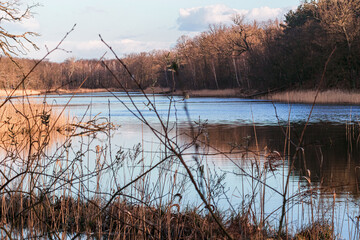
[(133, 26)]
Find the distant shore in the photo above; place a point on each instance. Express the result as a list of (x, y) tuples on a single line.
[(31, 92), (290, 96), (7, 92), (157, 90), (324, 97), (226, 93)]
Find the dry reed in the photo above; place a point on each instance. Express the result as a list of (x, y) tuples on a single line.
[(121, 219), (324, 97)]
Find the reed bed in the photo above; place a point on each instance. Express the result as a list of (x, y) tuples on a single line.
[(52, 216), (324, 97)]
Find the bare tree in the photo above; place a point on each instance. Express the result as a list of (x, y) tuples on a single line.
[(341, 18), (13, 12)]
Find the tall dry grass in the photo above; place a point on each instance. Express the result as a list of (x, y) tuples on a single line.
[(324, 97)]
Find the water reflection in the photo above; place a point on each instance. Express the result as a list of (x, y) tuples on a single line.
[(237, 124), (330, 149), (330, 152)]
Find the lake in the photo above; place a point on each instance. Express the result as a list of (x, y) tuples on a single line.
[(241, 160)]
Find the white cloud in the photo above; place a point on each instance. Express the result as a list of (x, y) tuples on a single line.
[(26, 25), (199, 18), (266, 13)]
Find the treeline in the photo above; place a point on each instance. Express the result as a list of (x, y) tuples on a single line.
[(71, 73), (244, 55)]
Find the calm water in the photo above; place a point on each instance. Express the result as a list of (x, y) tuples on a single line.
[(251, 129)]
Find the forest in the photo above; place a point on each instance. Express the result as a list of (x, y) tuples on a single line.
[(250, 56)]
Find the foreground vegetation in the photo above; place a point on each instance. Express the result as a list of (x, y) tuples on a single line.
[(34, 216)]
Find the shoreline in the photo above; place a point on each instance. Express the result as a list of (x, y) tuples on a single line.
[(224, 93), (33, 92), (334, 96)]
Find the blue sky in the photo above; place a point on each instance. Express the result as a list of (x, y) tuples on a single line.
[(137, 25)]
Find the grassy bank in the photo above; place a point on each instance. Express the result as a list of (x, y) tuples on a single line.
[(324, 97)]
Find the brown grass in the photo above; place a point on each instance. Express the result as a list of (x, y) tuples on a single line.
[(125, 220), (307, 96), (119, 221), (317, 231)]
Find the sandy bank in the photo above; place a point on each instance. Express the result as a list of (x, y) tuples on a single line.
[(81, 90), (29, 92), (7, 92)]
